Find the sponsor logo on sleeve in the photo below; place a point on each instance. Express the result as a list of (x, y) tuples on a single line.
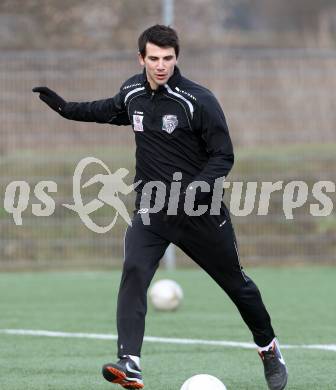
[(137, 122)]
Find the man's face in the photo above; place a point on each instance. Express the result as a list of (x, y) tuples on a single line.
[(159, 63)]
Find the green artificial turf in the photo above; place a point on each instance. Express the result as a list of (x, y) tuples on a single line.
[(301, 302)]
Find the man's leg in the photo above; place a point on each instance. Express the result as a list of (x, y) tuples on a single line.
[(144, 248), (210, 241)]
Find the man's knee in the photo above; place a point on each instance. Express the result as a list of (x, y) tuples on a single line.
[(138, 269), (246, 291)]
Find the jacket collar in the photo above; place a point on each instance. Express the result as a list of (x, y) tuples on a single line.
[(172, 82)]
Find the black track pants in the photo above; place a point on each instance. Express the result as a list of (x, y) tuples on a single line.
[(210, 241)]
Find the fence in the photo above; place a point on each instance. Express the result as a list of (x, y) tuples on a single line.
[(280, 106)]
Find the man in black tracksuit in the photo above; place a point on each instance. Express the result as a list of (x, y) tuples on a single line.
[(181, 136)]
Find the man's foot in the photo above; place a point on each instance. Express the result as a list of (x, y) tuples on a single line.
[(124, 373), (274, 367)]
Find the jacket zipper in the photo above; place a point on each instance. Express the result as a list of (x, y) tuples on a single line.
[(153, 106)]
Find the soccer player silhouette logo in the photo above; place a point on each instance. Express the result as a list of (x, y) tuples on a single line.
[(113, 184)]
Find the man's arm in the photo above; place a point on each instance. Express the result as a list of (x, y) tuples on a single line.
[(214, 131), (110, 110), (210, 123)]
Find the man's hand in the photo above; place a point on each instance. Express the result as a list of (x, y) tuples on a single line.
[(51, 98)]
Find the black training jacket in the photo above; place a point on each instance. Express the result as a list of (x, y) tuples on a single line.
[(180, 127)]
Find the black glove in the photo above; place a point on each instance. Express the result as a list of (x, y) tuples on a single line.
[(51, 98)]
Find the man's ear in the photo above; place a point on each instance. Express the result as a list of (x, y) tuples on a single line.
[(141, 60)]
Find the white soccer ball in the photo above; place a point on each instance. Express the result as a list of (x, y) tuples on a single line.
[(166, 295), (203, 382)]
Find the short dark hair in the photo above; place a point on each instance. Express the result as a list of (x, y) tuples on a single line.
[(159, 35)]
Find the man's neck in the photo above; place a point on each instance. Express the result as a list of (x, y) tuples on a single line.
[(153, 85)]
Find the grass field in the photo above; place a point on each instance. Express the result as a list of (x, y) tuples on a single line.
[(301, 301)]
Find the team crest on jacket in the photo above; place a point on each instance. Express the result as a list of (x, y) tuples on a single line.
[(169, 123)]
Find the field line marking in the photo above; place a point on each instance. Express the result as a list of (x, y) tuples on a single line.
[(162, 340)]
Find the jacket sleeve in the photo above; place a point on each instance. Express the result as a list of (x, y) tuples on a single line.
[(110, 110), (214, 131)]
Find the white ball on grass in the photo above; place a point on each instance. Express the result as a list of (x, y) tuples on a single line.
[(203, 382), (166, 295)]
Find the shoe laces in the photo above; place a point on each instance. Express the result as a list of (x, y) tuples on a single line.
[(270, 358)]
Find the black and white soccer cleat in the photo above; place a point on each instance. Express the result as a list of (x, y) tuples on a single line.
[(274, 367), (124, 373)]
